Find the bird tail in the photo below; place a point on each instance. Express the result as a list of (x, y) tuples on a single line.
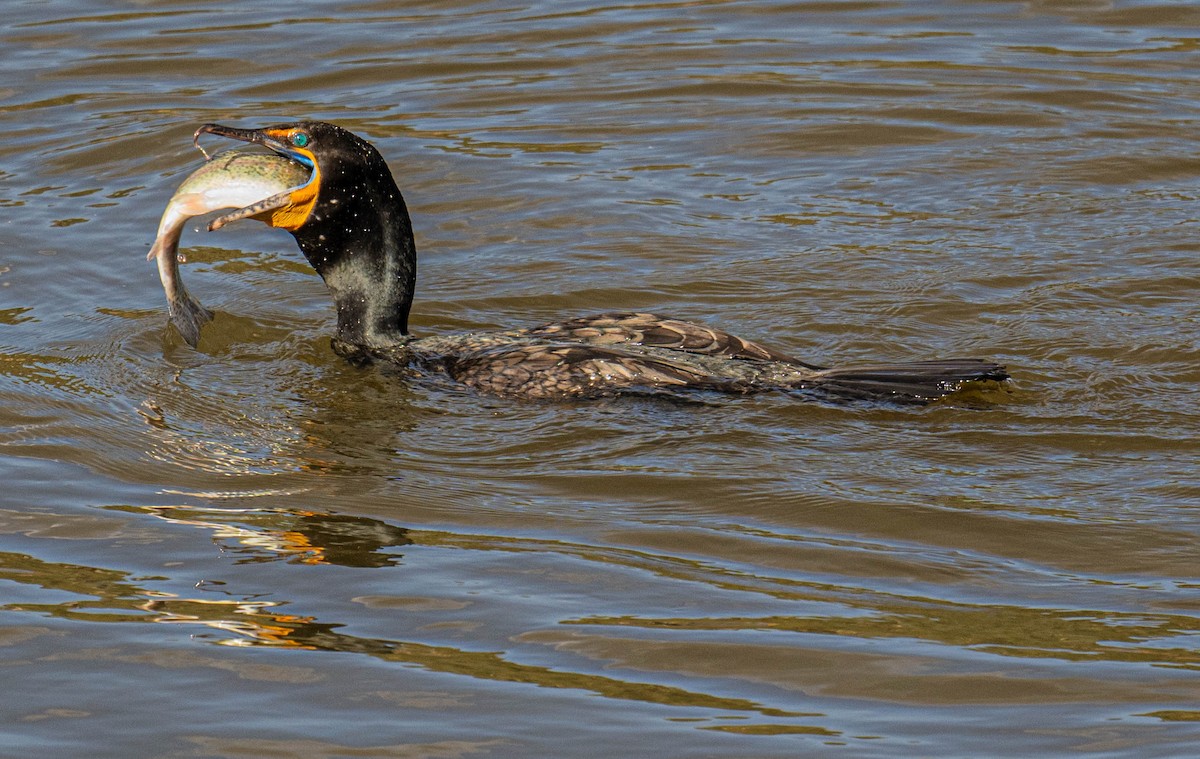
[(913, 382)]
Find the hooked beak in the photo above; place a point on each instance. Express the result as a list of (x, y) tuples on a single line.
[(254, 136), (287, 210)]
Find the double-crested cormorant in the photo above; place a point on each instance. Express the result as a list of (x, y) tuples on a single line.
[(351, 223)]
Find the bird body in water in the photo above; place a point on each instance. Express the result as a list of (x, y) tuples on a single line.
[(351, 223)]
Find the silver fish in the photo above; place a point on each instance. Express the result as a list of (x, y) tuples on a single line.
[(253, 183)]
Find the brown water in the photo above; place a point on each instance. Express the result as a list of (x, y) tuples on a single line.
[(256, 550)]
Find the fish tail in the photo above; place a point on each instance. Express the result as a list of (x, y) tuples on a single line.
[(911, 382), (188, 316)]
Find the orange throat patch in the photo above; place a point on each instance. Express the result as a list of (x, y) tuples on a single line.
[(292, 215)]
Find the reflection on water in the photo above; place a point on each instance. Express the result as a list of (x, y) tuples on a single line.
[(350, 562), (245, 622), (304, 537)]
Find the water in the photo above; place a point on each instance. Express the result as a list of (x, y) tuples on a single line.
[(255, 549)]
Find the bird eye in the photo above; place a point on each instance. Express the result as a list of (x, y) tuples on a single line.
[(299, 139)]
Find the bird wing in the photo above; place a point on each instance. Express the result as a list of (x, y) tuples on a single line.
[(560, 370), (658, 332)]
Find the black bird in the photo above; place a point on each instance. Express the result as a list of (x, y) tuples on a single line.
[(351, 223)]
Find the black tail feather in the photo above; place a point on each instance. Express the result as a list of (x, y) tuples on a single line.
[(915, 382)]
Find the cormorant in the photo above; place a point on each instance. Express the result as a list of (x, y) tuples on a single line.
[(352, 225)]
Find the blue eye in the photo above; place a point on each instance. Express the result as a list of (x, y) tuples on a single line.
[(299, 139)]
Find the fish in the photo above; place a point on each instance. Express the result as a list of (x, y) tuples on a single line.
[(252, 183)]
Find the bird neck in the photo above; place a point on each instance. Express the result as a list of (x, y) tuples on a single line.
[(361, 243)]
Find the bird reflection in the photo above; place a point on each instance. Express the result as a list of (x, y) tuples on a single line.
[(293, 535)]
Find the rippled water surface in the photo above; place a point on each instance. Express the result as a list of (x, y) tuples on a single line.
[(255, 549)]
